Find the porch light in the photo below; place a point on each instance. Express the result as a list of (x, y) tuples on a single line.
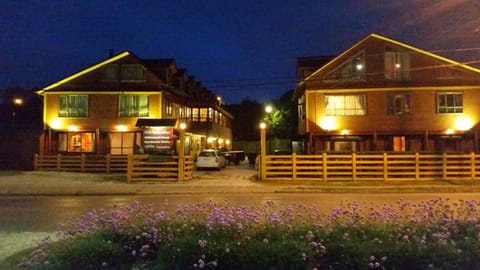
[(359, 66), (56, 124), (72, 128), (220, 141), (183, 126), (227, 142), (211, 139), (328, 123), (463, 123), (121, 128), (397, 65)]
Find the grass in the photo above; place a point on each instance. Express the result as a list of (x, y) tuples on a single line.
[(433, 234)]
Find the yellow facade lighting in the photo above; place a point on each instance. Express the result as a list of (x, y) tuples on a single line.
[(450, 131), (211, 139), (344, 132), (78, 74), (328, 123)]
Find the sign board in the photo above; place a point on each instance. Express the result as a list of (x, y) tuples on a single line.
[(158, 140)]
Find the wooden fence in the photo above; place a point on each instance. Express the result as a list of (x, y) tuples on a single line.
[(137, 167), (376, 167), (81, 163), (144, 168)]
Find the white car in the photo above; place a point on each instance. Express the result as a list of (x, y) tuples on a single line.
[(210, 158)]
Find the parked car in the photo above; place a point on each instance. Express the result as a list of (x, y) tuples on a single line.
[(210, 158), (235, 157)]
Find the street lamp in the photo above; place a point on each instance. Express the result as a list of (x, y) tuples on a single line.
[(17, 102), (263, 152), (269, 109)]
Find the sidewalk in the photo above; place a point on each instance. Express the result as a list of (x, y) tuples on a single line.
[(228, 181)]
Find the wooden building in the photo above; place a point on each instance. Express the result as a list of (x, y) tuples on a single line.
[(126, 104), (384, 95)]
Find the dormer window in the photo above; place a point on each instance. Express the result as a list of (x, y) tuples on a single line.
[(110, 73), (397, 64), (352, 70), (132, 73)]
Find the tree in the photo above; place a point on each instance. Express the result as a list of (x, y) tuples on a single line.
[(247, 116), (282, 121)]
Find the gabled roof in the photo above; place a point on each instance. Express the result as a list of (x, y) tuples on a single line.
[(86, 70), (398, 43)]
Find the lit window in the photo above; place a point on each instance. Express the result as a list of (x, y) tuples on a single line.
[(449, 102), (73, 106), (398, 104), (397, 64), (345, 105), (351, 70), (83, 142), (133, 105), (168, 107)]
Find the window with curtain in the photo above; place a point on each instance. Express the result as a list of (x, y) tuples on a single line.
[(345, 105), (450, 102), (73, 106), (133, 106)]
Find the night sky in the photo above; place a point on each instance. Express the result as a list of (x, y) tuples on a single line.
[(236, 48)]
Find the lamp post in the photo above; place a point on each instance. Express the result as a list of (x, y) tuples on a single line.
[(17, 102), (181, 152), (263, 152)]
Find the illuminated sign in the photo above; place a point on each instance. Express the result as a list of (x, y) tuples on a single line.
[(158, 139)]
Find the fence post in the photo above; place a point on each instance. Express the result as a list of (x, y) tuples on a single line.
[(59, 162), (444, 166), (385, 167), (354, 166), (107, 163), (294, 166), (129, 167), (181, 156), (417, 166), (324, 160), (82, 163), (472, 165), (35, 162)]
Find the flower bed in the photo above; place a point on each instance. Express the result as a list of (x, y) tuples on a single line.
[(434, 234)]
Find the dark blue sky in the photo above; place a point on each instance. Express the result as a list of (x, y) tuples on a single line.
[(236, 48)]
